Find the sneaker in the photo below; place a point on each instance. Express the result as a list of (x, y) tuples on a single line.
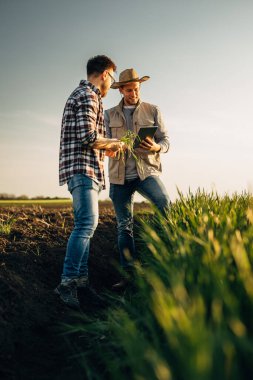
[(67, 291)]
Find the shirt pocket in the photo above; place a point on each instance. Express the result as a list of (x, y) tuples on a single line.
[(151, 160), (117, 130)]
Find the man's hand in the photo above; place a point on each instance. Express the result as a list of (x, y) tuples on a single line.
[(114, 145), (115, 149), (150, 145), (110, 153)]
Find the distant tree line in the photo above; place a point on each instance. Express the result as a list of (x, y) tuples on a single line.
[(4, 196)]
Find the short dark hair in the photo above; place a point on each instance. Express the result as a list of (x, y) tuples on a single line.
[(98, 64)]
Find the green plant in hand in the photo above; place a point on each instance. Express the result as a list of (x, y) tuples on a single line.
[(128, 139)]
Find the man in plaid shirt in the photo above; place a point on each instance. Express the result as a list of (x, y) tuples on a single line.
[(82, 149)]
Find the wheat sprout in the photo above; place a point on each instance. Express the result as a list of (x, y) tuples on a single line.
[(129, 139)]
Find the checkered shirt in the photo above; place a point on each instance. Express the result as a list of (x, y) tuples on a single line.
[(82, 124)]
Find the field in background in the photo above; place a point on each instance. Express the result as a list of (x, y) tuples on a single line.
[(63, 203), (36, 202)]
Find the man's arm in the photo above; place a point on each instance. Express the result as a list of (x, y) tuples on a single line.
[(86, 116), (161, 136), (86, 109), (161, 141), (109, 144), (113, 145)]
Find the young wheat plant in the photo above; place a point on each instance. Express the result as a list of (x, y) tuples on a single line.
[(129, 139)]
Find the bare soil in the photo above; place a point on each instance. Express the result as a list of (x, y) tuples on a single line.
[(32, 342)]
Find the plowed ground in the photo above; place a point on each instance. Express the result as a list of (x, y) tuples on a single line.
[(32, 345)]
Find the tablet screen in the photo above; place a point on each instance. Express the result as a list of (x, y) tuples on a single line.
[(143, 133)]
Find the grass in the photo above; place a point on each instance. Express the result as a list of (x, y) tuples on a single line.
[(6, 225), (191, 315)]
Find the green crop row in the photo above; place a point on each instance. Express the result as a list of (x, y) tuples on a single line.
[(190, 316)]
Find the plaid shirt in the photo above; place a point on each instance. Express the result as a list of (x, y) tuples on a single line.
[(82, 124)]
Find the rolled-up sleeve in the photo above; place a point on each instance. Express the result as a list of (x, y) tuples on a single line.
[(86, 117), (161, 136)]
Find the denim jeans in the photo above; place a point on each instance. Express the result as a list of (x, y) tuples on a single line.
[(122, 196), (85, 206)]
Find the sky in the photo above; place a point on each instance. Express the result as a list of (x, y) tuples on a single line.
[(198, 54)]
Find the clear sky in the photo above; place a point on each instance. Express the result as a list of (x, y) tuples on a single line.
[(198, 53)]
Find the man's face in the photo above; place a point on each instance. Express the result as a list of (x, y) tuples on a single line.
[(131, 93), (107, 81)]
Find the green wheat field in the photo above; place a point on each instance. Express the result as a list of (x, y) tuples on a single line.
[(190, 315)]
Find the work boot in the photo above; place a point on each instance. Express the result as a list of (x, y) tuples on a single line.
[(67, 291)]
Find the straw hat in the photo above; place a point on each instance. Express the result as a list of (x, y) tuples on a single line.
[(128, 76)]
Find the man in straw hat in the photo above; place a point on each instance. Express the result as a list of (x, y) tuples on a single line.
[(130, 175)]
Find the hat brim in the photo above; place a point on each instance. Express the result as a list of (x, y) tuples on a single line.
[(116, 85)]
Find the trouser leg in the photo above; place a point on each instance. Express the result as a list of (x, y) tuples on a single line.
[(153, 189), (122, 197), (85, 205)]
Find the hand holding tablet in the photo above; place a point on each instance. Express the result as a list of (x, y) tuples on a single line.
[(143, 133)]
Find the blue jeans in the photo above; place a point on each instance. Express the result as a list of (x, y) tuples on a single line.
[(122, 196), (85, 205)]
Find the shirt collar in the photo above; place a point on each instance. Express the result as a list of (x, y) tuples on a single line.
[(121, 104), (86, 83)]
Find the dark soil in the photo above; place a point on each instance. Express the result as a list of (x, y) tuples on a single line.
[(32, 343)]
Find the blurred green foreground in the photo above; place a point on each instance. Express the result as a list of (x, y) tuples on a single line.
[(189, 314)]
